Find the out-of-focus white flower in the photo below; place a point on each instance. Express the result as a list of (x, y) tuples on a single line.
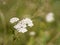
[(22, 30), (14, 19), (32, 33), (21, 25), (50, 17)]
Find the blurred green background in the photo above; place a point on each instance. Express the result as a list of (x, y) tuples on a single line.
[(46, 33)]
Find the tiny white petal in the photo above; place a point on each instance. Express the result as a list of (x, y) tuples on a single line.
[(50, 17), (13, 20)]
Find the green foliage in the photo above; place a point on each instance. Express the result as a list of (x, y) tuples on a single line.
[(46, 33)]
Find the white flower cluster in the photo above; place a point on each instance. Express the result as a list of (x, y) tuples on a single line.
[(50, 17), (21, 25), (13, 20)]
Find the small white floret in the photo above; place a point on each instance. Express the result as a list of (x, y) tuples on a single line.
[(28, 22), (20, 24), (13, 20), (22, 30)]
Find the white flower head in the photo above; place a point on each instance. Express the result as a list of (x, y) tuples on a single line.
[(14, 19), (50, 17), (32, 33), (21, 25)]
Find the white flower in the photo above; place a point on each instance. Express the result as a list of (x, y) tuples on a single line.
[(32, 33), (21, 25), (22, 30), (14, 19), (50, 17), (28, 21)]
